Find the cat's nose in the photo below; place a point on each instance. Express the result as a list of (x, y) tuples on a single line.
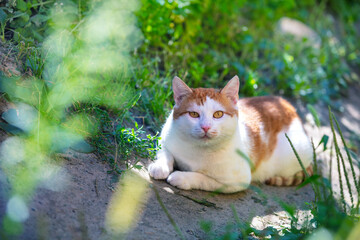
[(205, 128)]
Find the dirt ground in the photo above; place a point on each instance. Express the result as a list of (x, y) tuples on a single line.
[(78, 211)]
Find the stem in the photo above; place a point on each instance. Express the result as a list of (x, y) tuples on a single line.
[(3, 32), (330, 171), (116, 148), (317, 173), (314, 158), (39, 117), (348, 154), (338, 159), (173, 223), (41, 3), (302, 166)]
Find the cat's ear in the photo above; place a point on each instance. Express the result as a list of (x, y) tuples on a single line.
[(231, 90), (180, 90)]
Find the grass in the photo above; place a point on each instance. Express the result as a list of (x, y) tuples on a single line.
[(122, 147), (231, 41)]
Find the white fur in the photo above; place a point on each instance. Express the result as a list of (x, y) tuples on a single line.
[(283, 161), (213, 164)]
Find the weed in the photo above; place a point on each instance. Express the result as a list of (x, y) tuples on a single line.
[(326, 210), (122, 147)]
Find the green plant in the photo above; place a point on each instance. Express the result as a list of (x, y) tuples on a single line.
[(122, 147), (209, 41), (154, 102), (130, 141), (18, 18), (77, 73)]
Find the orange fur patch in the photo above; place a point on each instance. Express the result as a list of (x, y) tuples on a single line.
[(272, 114), (295, 180), (199, 95)]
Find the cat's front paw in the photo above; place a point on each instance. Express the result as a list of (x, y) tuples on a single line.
[(158, 170), (180, 180)]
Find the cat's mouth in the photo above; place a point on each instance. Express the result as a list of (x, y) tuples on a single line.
[(206, 137)]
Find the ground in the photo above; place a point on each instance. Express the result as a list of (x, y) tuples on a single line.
[(78, 211)]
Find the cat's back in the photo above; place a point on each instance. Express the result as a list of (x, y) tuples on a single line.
[(264, 120), (270, 113)]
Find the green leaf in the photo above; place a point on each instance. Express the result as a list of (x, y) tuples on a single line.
[(38, 19), (3, 16), (246, 157), (21, 5), (324, 140), (138, 166), (291, 210), (314, 114), (25, 18), (136, 125), (311, 179)]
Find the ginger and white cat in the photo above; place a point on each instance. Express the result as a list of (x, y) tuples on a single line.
[(206, 128)]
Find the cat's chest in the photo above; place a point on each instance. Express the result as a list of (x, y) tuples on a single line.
[(190, 157), (187, 156)]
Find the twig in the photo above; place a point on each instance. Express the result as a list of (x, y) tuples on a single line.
[(200, 201), (96, 188)]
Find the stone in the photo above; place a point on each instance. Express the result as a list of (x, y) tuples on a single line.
[(299, 30)]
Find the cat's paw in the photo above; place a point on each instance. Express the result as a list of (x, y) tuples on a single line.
[(158, 170), (180, 180)]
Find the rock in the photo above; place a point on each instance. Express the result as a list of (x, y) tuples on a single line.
[(299, 30)]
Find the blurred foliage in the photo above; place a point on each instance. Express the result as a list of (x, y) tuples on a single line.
[(207, 42), (82, 64)]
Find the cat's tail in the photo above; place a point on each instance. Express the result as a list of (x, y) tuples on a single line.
[(290, 181)]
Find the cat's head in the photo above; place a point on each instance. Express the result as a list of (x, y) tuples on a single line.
[(206, 115)]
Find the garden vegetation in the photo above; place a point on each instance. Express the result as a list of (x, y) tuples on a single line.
[(88, 70)]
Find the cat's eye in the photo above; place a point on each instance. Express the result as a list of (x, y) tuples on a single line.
[(194, 114), (218, 114)]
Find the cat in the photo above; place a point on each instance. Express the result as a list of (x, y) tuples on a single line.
[(208, 129)]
